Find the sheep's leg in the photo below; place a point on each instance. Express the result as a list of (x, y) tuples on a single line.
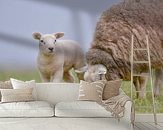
[(158, 82), (44, 78), (137, 86), (80, 73), (80, 76), (143, 83), (82, 67), (58, 76), (67, 77), (156, 87)]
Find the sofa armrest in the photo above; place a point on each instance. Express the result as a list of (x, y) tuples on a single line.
[(128, 105), (128, 109), (127, 112), (126, 120)]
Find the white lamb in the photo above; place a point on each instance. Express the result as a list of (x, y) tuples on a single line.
[(57, 57)]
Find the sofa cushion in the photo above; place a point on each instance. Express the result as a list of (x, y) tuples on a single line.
[(26, 109), (91, 91), (18, 84), (111, 89), (16, 95), (5, 85), (80, 109)]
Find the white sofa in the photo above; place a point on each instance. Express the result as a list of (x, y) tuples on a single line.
[(63, 113)]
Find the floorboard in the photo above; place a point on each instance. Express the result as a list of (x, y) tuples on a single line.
[(140, 126), (148, 126), (157, 126), (136, 128)]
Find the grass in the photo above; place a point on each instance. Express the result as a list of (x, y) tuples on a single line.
[(145, 105), (21, 75), (34, 75)]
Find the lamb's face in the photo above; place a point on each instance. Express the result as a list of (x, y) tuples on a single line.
[(47, 42), (93, 72)]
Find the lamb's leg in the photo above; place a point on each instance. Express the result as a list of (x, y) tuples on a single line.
[(67, 77), (44, 78), (78, 66), (80, 75), (158, 81), (58, 76)]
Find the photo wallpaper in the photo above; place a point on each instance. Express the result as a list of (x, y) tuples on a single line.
[(80, 34)]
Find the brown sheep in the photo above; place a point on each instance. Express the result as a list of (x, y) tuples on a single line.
[(111, 44)]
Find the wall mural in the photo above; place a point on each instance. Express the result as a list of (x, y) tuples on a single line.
[(95, 45)]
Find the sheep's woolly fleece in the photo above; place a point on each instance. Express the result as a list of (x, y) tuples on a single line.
[(111, 44)]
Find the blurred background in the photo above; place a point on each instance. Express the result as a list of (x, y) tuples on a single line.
[(20, 18)]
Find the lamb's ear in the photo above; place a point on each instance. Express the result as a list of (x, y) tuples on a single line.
[(82, 70), (58, 35), (36, 35), (102, 69)]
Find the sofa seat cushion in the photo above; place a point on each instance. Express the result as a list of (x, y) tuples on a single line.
[(26, 109), (80, 109)]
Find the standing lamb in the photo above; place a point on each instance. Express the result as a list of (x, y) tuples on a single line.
[(57, 57), (111, 44)]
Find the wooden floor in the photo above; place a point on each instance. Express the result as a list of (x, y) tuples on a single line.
[(148, 126)]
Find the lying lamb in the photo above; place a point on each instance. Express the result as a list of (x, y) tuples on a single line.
[(57, 57), (93, 73), (97, 72)]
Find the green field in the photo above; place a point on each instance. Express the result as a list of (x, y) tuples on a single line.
[(21, 75), (30, 75), (145, 103)]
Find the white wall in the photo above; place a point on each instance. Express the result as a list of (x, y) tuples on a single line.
[(19, 18)]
